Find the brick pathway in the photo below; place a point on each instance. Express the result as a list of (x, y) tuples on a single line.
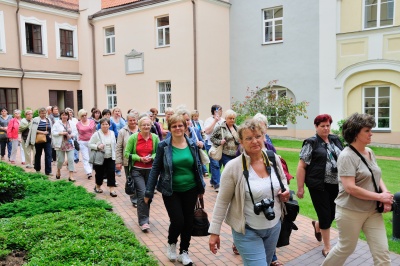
[(303, 250)]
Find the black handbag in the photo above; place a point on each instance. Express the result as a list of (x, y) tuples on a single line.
[(200, 220), (130, 184), (292, 210), (76, 145)]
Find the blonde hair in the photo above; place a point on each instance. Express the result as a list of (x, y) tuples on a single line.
[(175, 118), (230, 113), (146, 117), (81, 113)]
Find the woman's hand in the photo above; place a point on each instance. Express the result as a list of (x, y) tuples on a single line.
[(300, 193), (200, 144), (100, 146), (284, 197), (386, 197), (118, 166), (386, 207), (200, 196), (214, 243), (223, 141), (147, 200)]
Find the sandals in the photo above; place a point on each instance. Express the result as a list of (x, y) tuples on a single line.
[(113, 194), (71, 180), (234, 249), (317, 235), (276, 263), (98, 190), (145, 227), (325, 253)]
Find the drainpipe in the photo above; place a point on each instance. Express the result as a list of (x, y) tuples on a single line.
[(20, 57), (194, 54), (94, 62)]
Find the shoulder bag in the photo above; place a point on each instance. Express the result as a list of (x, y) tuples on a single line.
[(130, 184), (203, 155), (215, 151), (96, 157), (41, 138), (379, 206), (200, 220)]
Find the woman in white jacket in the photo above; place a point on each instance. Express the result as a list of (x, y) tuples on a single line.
[(64, 132)]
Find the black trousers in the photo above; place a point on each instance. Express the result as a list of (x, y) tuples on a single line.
[(324, 204), (180, 208), (105, 170)]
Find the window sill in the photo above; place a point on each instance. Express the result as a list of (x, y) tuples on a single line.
[(278, 127), (377, 28), (381, 131), (268, 43), (109, 54), (67, 58), (164, 46), (36, 55)]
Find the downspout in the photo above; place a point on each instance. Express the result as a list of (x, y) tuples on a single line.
[(20, 57), (94, 62), (194, 55)]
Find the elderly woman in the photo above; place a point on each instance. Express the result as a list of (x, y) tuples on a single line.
[(227, 135), (4, 120), (86, 127), (356, 204), (63, 133), (74, 121), (13, 136), (177, 173), (104, 140), (255, 233), (117, 118), (24, 130), (262, 119), (141, 146), (123, 135), (317, 168), (164, 121), (155, 126), (41, 125)]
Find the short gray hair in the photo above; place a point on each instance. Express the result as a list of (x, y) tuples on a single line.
[(230, 113), (250, 124)]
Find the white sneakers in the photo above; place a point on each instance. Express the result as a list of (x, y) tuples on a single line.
[(171, 252), (185, 259)]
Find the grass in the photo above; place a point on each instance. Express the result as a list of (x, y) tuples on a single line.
[(58, 223), (390, 174)]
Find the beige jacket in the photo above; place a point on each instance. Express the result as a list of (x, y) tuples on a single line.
[(229, 205), (123, 136)]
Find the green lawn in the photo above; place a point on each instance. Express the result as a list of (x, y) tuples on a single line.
[(390, 171)]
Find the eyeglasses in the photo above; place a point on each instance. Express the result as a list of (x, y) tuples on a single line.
[(250, 139), (84, 115), (177, 126)]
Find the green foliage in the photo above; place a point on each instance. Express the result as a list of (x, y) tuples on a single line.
[(80, 237), (338, 132), (12, 183), (23, 112), (43, 196), (279, 110)]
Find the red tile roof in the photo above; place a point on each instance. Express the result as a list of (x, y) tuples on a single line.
[(65, 4), (113, 3)]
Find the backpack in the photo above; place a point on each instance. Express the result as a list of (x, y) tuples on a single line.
[(271, 157)]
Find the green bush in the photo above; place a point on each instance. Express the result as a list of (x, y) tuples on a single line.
[(12, 183), (80, 237), (43, 196)]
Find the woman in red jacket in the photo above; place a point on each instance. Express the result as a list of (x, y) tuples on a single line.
[(12, 134)]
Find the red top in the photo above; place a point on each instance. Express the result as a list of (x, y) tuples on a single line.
[(12, 129), (144, 148), (86, 132)]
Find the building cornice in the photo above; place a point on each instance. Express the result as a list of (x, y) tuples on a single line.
[(43, 9), (369, 65), (37, 74), (366, 33)]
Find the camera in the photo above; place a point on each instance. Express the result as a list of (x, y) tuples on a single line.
[(267, 206), (333, 170)]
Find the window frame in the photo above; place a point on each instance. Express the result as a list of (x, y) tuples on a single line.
[(112, 95), (269, 117), (74, 29), (273, 20), (163, 28), (376, 97), (378, 16), (43, 24), (10, 105), (2, 34), (166, 104), (112, 43)]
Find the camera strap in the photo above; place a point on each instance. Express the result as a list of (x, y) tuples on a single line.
[(246, 174)]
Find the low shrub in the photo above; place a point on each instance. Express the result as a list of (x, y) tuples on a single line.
[(80, 237), (12, 183), (43, 196)]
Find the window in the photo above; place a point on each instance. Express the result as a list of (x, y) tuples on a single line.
[(274, 115), (164, 96), (377, 103), (9, 99), (67, 41), (273, 25), (2, 34), (110, 40), (33, 36), (111, 96), (162, 31), (378, 13)]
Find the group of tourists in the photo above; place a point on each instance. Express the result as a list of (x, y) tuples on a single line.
[(164, 154)]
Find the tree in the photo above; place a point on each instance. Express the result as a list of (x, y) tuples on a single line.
[(279, 110)]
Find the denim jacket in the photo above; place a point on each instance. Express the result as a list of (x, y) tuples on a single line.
[(162, 167)]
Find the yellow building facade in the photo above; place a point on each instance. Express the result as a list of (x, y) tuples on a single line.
[(368, 63)]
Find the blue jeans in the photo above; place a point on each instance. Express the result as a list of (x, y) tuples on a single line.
[(5, 144), (257, 246), (225, 159), (46, 147), (215, 169)]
